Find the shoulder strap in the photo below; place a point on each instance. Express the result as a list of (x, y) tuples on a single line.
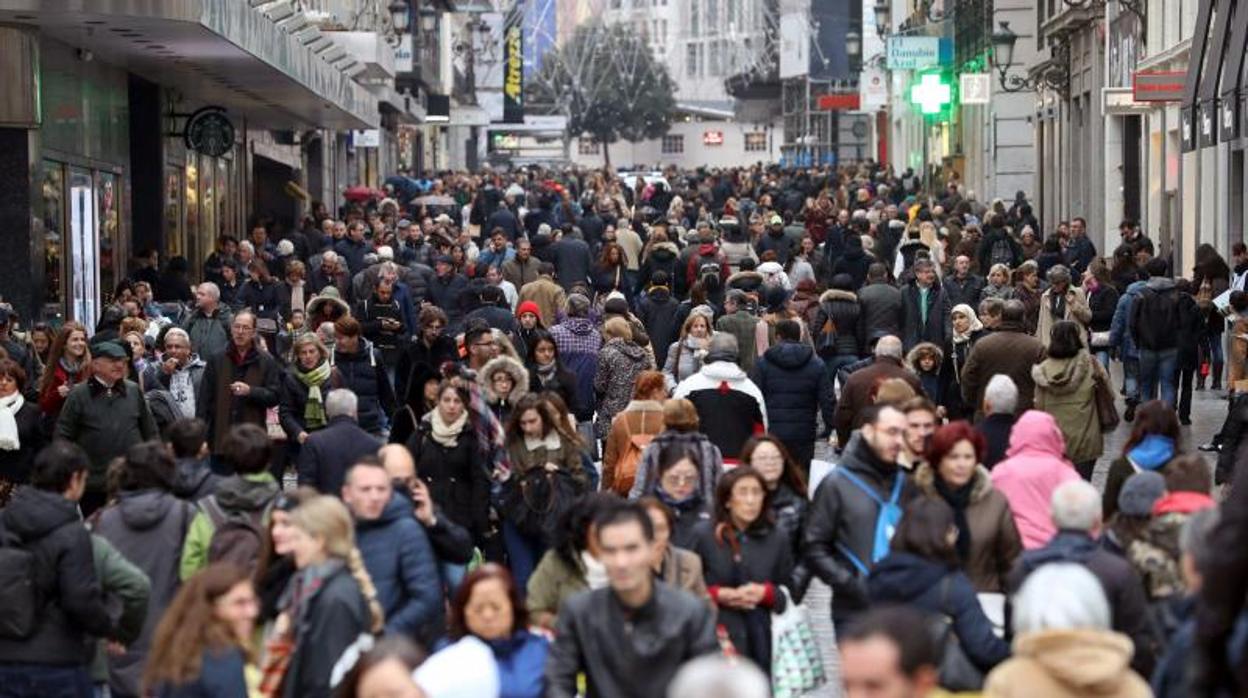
[(897, 484), (853, 559), (212, 509), (857, 481)]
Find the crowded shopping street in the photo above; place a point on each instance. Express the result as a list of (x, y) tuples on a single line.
[(442, 349)]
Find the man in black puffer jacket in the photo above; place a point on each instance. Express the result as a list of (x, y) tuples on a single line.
[(786, 373), (43, 518), (364, 373)]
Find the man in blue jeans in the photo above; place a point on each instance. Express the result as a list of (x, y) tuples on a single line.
[(1155, 320)]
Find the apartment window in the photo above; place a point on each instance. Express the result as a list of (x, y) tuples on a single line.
[(695, 18), (755, 142), (662, 33), (588, 146), (714, 65), (712, 16), (673, 145), (691, 60)]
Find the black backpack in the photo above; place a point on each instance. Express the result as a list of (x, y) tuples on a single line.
[(1158, 319), (535, 501), (21, 593)]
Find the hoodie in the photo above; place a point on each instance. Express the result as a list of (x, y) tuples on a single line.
[(1068, 663), (1066, 389), (1155, 315), (1034, 466), (49, 525), (193, 479), (148, 528), (238, 493)]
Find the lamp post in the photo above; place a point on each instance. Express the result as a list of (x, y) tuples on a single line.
[(400, 16), (1055, 76), (883, 18)]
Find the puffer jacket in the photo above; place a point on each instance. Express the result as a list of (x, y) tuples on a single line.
[(995, 543), (619, 364), (48, 525), (657, 312), (730, 406), (846, 314), (797, 387), (1034, 466), (401, 563), (904, 578), (842, 516), (364, 373), (662, 257), (148, 527), (1066, 389), (520, 385)]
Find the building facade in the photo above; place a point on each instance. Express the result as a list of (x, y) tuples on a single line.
[(129, 127)]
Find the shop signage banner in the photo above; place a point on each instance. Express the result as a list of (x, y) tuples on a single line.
[(513, 70), (873, 88), (403, 55), (794, 45), (487, 44), (916, 52), (1158, 86), (975, 88)]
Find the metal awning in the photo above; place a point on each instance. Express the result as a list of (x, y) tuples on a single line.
[(406, 107), (222, 52)]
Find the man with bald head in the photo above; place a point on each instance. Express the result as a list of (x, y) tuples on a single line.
[(1009, 350), (452, 543)]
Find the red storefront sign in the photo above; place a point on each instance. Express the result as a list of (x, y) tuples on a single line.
[(848, 101)]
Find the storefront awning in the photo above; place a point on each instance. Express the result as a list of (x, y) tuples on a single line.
[(220, 52)]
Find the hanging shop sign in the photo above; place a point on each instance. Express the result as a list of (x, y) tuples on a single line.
[(712, 138), (513, 70), (840, 101), (918, 52), (975, 88), (1158, 86), (209, 131)]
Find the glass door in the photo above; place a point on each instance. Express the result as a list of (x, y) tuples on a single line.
[(111, 243), (52, 193), (83, 250)]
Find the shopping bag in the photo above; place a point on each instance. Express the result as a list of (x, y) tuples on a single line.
[(796, 662)]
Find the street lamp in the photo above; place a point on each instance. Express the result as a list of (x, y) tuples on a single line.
[(853, 49), (399, 15), (1055, 76), (883, 17)]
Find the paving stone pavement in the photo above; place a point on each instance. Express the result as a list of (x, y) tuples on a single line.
[(1208, 413)]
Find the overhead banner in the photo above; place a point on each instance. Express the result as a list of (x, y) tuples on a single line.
[(873, 86), (794, 45), (487, 44), (916, 52), (513, 68)]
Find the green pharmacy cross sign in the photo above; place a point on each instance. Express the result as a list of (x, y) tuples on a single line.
[(932, 94)]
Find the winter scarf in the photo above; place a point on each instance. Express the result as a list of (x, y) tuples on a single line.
[(958, 499), (446, 434), (545, 372), (9, 407), (296, 296), (595, 571), (303, 586), (1057, 305), (314, 410), (551, 442)]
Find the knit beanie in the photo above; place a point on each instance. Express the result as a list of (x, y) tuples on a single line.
[(1139, 493)]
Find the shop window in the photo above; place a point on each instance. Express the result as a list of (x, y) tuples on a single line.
[(53, 216), (673, 144), (108, 198), (191, 203), (755, 142), (175, 240)]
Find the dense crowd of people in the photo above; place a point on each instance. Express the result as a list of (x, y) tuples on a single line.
[(558, 438)]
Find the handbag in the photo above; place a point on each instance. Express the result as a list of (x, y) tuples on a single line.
[(957, 671), (1100, 340), (1103, 393), (273, 425), (279, 649), (796, 661)]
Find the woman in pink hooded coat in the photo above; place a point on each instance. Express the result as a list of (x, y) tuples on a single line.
[(1034, 466)]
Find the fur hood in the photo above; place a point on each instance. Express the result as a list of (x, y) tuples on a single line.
[(912, 358), (1062, 376), (981, 482), (519, 376), (833, 294), (668, 247), (746, 280)]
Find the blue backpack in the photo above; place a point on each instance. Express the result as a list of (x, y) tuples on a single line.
[(885, 521)]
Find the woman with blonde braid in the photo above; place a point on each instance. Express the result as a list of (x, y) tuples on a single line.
[(329, 602)]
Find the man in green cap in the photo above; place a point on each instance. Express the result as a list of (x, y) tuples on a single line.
[(105, 415)]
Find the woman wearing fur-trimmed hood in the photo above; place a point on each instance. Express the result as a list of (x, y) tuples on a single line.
[(503, 382)]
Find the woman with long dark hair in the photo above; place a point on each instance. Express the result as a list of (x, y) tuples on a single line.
[(1210, 279), (1155, 440), (202, 645), (1103, 301), (537, 440), (610, 274), (69, 363), (785, 484), (745, 561), (546, 372)]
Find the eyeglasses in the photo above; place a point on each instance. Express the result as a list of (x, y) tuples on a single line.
[(679, 480)]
